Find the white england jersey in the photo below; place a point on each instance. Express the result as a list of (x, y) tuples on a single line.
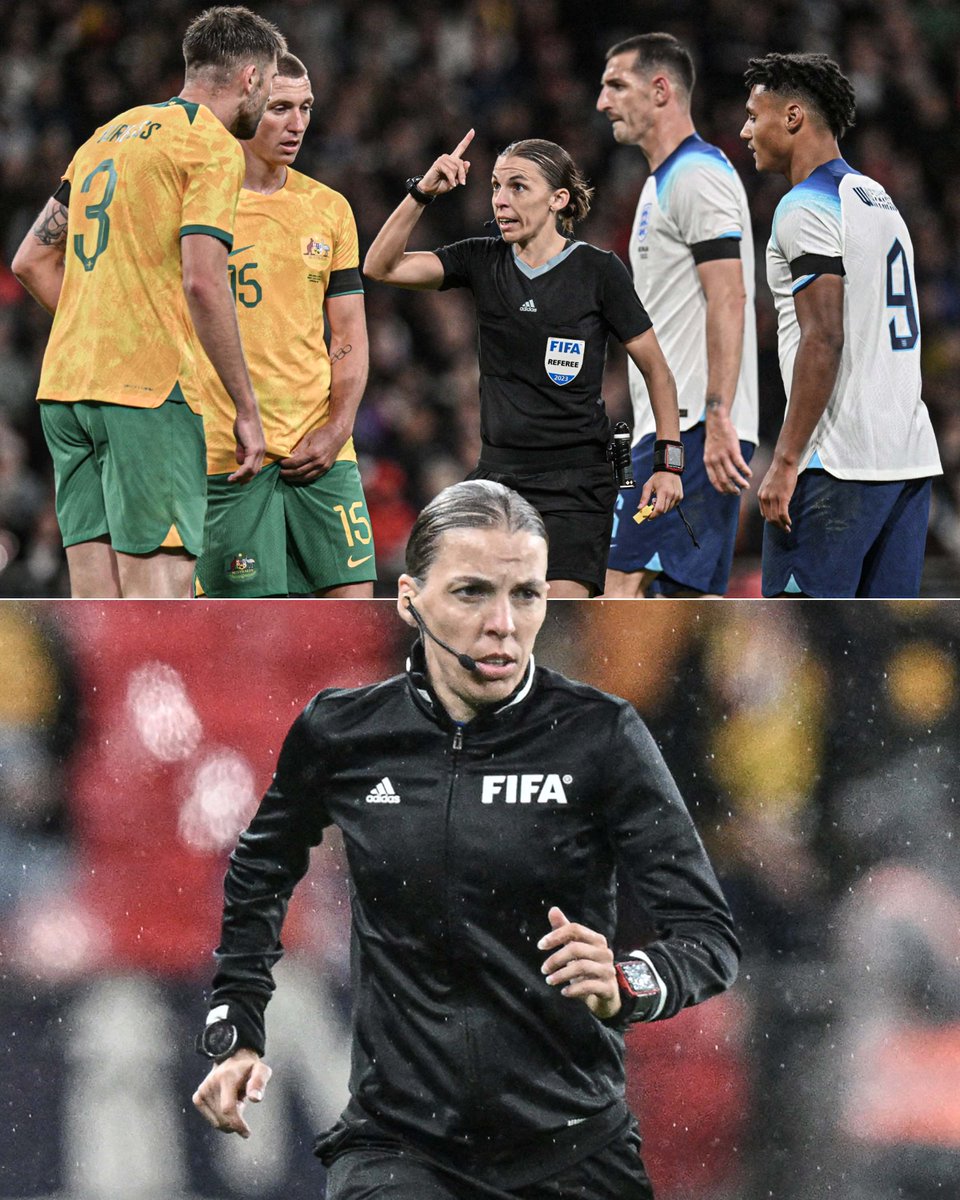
[(693, 201), (840, 222)]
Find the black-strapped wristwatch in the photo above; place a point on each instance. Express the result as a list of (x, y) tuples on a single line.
[(635, 977), (668, 456), (218, 1040), (414, 191)]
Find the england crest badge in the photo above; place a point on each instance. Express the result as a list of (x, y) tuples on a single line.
[(563, 359)]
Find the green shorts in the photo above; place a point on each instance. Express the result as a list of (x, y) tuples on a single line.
[(134, 474), (271, 538)]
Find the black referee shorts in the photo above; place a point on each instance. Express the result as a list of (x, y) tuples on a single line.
[(615, 1172), (576, 504)]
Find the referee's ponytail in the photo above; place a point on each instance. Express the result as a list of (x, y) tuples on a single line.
[(560, 171)]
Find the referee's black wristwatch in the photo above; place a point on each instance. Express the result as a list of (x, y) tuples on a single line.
[(233, 1024), (218, 1040), (668, 456), (413, 190)]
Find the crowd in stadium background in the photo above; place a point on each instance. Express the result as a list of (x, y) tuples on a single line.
[(818, 754), (397, 83)]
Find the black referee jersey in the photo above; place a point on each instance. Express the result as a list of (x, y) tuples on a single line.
[(459, 839), (543, 338)]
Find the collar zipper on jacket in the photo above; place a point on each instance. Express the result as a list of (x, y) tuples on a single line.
[(469, 1078)]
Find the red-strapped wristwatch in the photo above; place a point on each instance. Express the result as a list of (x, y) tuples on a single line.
[(635, 977)]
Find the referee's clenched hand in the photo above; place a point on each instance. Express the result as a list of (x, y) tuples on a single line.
[(228, 1086), (583, 963)]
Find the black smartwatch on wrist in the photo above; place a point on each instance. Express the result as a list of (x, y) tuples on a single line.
[(218, 1040), (414, 191), (668, 456)]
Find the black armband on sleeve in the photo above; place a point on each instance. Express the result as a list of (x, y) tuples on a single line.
[(62, 194), (344, 283), (721, 247), (816, 264)]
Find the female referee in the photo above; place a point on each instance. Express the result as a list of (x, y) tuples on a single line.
[(546, 304), (489, 810)]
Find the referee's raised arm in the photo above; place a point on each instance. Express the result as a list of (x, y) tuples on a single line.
[(388, 259)]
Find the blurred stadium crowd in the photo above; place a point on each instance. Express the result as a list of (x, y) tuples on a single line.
[(819, 756), (397, 83)]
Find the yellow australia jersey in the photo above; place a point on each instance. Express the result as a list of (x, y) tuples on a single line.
[(122, 331), (293, 249)]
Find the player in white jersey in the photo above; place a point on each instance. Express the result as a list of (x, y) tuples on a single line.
[(691, 250), (847, 497)]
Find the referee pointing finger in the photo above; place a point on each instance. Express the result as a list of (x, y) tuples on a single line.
[(546, 305), (448, 172), (488, 807)]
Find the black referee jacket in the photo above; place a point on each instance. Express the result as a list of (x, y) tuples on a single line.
[(459, 839)]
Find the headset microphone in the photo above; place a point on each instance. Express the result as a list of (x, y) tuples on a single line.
[(465, 661)]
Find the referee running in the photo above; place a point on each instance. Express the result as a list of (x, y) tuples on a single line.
[(490, 810)]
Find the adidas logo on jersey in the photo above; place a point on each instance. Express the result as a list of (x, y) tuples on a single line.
[(383, 793), (525, 789), (528, 306)]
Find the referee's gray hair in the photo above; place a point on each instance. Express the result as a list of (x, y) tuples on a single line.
[(473, 504)]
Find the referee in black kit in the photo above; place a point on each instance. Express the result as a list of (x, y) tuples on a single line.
[(489, 809), (546, 304)]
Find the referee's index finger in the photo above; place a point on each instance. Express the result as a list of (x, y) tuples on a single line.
[(464, 144)]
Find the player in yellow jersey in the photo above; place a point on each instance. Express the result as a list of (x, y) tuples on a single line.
[(130, 255), (302, 526)]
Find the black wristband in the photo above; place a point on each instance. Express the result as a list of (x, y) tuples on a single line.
[(668, 456), (414, 191)]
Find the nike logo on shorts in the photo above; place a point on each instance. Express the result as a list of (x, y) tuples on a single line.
[(357, 562)]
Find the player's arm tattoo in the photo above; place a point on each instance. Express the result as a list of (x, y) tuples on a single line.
[(51, 229), (341, 353), (714, 403)]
